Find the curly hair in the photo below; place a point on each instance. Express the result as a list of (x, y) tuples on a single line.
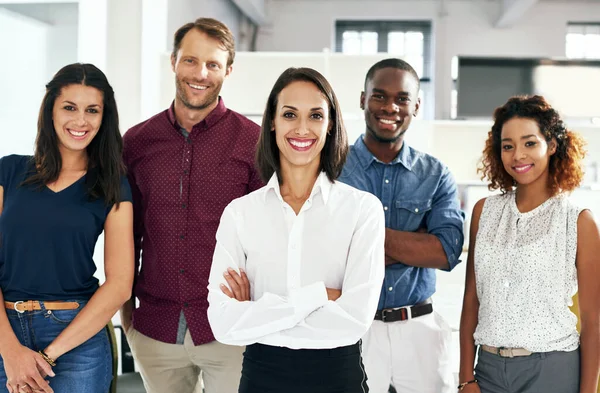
[(566, 164)]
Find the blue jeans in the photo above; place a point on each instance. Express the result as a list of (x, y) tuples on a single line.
[(85, 369)]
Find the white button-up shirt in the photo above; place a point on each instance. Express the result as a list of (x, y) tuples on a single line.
[(336, 241)]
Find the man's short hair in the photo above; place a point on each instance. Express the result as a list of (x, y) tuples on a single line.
[(211, 27), (391, 63)]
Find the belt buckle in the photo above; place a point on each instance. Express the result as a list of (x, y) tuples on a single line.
[(15, 306), (383, 314), (405, 313), (504, 354)]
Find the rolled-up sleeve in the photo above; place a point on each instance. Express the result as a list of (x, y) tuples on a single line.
[(446, 219)]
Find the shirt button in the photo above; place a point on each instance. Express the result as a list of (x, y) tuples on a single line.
[(387, 181), (390, 289), (385, 208), (181, 271), (183, 205), (185, 304), (506, 284), (416, 209), (181, 236), (185, 171)]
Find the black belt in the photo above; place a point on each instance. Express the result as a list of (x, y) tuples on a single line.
[(404, 313)]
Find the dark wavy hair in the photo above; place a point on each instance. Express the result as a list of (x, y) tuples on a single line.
[(105, 163), (333, 155), (566, 164)]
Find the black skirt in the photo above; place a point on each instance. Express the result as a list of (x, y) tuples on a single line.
[(268, 369)]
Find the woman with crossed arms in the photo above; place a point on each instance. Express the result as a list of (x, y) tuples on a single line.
[(299, 263)]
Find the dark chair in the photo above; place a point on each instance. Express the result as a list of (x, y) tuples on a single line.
[(129, 381)]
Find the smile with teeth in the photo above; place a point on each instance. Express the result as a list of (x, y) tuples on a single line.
[(522, 168), (301, 144), (78, 134), (386, 121), (197, 87)]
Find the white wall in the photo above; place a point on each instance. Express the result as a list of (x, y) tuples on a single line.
[(465, 28), (184, 11), (61, 20), (22, 80), (62, 46)]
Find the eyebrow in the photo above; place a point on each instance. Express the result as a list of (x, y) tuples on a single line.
[(523, 137), (402, 93), (294, 108), (74, 104)]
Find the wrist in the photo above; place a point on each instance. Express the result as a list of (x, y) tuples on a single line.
[(464, 376), (10, 345), (464, 384), (52, 352)]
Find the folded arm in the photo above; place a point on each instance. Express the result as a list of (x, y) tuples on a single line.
[(305, 314), (441, 247)]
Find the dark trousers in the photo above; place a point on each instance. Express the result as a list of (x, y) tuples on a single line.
[(268, 369), (550, 372)]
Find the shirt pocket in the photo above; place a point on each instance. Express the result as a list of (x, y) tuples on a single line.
[(410, 214)]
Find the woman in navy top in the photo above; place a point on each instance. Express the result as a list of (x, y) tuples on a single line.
[(53, 207)]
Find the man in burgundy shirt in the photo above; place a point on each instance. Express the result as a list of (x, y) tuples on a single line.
[(185, 165)]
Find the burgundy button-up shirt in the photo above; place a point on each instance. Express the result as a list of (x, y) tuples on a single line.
[(180, 186)]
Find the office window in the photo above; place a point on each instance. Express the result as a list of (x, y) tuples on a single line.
[(359, 42), (410, 40), (583, 41)]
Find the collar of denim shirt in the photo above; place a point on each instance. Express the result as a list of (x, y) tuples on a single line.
[(404, 157)]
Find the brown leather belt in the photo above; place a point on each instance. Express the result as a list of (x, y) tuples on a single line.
[(404, 313), (506, 352), (34, 305)]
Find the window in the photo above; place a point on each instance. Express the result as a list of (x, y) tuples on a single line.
[(359, 42), (583, 41), (409, 40)]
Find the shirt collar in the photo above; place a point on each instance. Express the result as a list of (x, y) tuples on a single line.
[(366, 157), (213, 117), (322, 187)]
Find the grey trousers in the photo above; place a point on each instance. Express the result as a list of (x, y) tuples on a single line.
[(550, 372)]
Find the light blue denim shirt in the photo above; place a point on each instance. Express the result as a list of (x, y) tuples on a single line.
[(417, 191)]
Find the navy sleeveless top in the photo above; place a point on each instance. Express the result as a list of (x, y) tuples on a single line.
[(47, 238)]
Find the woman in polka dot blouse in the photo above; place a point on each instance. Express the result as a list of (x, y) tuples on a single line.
[(531, 250)]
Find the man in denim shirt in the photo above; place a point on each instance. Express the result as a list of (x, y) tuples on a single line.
[(408, 344)]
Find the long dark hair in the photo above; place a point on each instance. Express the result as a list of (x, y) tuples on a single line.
[(105, 163), (333, 155)]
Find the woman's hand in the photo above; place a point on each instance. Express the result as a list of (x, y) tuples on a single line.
[(239, 286), (26, 370), (333, 294)]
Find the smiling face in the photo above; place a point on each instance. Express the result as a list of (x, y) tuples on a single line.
[(200, 68), (525, 151), (77, 116), (390, 101), (301, 123)]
